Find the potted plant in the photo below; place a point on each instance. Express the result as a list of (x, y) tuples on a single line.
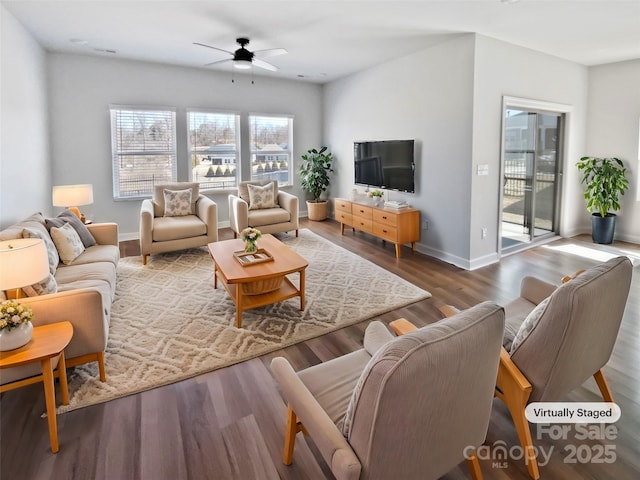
[(314, 175), (605, 180)]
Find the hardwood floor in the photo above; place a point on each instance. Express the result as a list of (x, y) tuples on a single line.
[(229, 423)]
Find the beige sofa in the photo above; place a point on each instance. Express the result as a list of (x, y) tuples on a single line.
[(85, 291)]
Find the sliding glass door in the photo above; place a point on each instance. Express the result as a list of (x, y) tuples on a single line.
[(531, 168)]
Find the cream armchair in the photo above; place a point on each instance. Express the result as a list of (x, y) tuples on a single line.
[(283, 217), (165, 227), (413, 406)]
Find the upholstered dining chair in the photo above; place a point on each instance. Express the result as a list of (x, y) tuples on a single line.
[(556, 338), (409, 407), (259, 204), (178, 216)]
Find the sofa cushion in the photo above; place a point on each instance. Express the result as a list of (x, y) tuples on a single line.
[(35, 221), (99, 253), (268, 216), (261, 196), (177, 203), (67, 242), (158, 195), (104, 271), (69, 217), (177, 228)]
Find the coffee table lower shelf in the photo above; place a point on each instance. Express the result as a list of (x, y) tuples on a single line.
[(244, 301)]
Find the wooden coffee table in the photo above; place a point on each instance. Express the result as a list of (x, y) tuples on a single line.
[(238, 280)]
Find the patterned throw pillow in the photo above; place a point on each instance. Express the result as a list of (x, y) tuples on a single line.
[(177, 203), (67, 242), (52, 253), (67, 216), (529, 324), (48, 285), (261, 197)]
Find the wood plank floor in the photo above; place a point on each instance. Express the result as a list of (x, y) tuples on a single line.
[(229, 424)]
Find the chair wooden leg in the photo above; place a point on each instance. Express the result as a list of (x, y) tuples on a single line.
[(144, 259), (603, 386), (514, 390), (474, 467), (103, 375), (290, 436), (235, 234), (296, 233)]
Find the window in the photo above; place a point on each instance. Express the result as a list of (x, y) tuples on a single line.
[(271, 148), (214, 139), (143, 145)]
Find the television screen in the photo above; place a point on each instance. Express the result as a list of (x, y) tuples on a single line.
[(385, 164)]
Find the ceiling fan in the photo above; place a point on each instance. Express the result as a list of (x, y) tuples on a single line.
[(244, 59)]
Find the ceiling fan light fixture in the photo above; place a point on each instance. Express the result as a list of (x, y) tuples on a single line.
[(242, 64)]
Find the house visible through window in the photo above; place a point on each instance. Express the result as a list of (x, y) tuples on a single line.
[(214, 141), (271, 148), (143, 143)]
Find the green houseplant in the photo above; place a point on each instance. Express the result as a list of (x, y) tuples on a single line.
[(605, 181), (314, 176)]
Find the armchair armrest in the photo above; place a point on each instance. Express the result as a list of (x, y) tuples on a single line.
[(238, 213), (207, 211), (146, 225), (535, 290), (104, 233), (332, 445), (289, 202)]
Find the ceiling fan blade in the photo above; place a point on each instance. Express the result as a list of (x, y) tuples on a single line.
[(214, 48), (226, 60), (269, 52), (262, 64)]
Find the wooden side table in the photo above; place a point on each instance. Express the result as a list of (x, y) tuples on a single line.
[(48, 342)]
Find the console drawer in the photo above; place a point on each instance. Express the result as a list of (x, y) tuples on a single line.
[(364, 224), (386, 232), (362, 211), (386, 218), (343, 217), (342, 205)]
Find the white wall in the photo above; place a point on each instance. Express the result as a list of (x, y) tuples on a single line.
[(502, 69), (426, 96), (81, 89), (612, 131), (25, 171)]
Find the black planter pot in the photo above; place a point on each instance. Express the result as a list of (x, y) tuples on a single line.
[(602, 228)]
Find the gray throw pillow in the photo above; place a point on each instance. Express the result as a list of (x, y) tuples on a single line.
[(69, 217), (529, 324)]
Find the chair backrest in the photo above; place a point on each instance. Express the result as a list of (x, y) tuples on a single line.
[(427, 395), (158, 195), (576, 333)]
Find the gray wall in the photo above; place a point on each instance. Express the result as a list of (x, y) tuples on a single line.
[(81, 88), (25, 167), (612, 131), (427, 96)]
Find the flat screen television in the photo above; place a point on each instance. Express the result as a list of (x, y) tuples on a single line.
[(387, 164)]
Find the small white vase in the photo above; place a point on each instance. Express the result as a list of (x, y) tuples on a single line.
[(16, 337)]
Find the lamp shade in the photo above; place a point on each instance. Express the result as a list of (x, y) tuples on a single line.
[(23, 262), (72, 195)]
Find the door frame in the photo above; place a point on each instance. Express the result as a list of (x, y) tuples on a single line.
[(510, 102)]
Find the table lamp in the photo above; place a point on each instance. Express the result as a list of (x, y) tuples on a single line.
[(23, 262), (72, 196)]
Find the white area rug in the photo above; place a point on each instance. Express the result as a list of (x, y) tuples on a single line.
[(168, 323)]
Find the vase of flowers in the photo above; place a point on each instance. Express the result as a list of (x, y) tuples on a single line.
[(250, 236), (376, 195), (16, 328)]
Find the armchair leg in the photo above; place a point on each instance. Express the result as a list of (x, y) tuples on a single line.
[(144, 259), (603, 386), (514, 389), (296, 233), (235, 234), (474, 467), (290, 436)]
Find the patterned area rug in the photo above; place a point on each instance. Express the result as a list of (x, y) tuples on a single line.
[(169, 324)]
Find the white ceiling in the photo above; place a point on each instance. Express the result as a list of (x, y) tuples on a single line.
[(328, 39)]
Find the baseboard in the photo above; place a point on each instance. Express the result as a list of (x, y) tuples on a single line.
[(460, 262)]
